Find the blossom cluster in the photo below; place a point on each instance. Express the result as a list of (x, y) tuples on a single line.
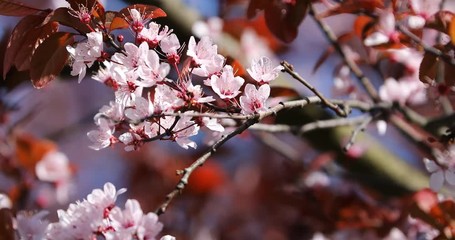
[(442, 169), (147, 103), (95, 216)]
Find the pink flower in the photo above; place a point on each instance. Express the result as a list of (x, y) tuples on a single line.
[(213, 67), (254, 99), (213, 27), (212, 124), (153, 35), (126, 221), (32, 226), (153, 72), (226, 86), (170, 45), (443, 171), (184, 129), (137, 22), (203, 52), (407, 90), (262, 70), (111, 74), (139, 109), (104, 199), (149, 227), (166, 99), (102, 137), (86, 53), (134, 56), (53, 167), (5, 202), (386, 32)]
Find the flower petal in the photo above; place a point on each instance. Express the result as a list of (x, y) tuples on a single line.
[(437, 180)]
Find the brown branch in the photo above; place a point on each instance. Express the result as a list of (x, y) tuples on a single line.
[(186, 173), (366, 82), (356, 131), (288, 68), (429, 49), (330, 123)]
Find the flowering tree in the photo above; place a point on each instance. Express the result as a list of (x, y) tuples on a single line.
[(395, 70)]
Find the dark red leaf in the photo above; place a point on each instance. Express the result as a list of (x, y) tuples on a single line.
[(22, 41), (255, 6), (62, 16), (283, 19), (427, 69), (32, 41), (278, 91), (147, 11), (50, 58), (440, 21), (354, 6), (75, 4), (13, 8), (6, 224)]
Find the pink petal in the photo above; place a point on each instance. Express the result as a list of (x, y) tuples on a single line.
[(437, 180)]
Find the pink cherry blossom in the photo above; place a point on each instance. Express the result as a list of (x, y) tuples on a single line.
[(32, 226), (203, 51), (111, 74), (5, 201), (254, 100), (423, 10), (443, 170), (153, 34), (213, 28), (134, 56), (170, 45), (404, 91), (106, 197), (166, 99), (149, 227), (85, 53), (226, 86), (184, 129), (134, 139), (213, 124), (53, 167), (112, 112), (139, 109), (213, 67), (102, 137), (137, 22), (263, 71), (153, 71), (386, 32)]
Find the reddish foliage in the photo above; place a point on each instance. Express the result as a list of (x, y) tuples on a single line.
[(354, 6), (438, 214), (207, 179), (50, 58), (147, 11), (13, 8), (283, 19), (30, 150), (24, 40)]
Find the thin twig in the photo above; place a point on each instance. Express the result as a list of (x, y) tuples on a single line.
[(186, 173), (321, 124), (290, 70), (429, 49), (355, 132), (366, 82)]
